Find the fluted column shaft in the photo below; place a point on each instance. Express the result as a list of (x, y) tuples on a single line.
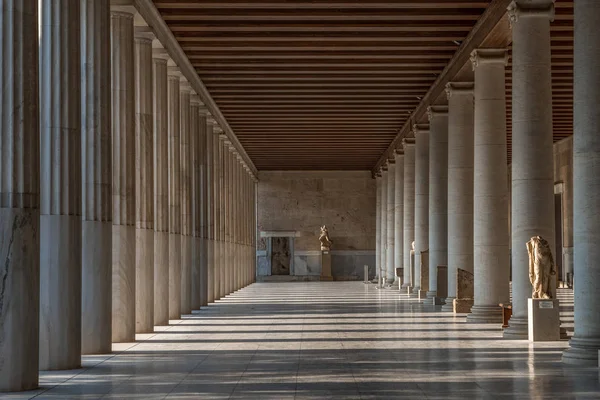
[(378, 247), (217, 204), (384, 221), (196, 199), (390, 215), (438, 194), (161, 187), (222, 221), (532, 205), (96, 157), (186, 203), (421, 200), (210, 216), (408, 220), (399, 212), (585, 343), (19, 197), (144, 184), (123, 134), (490, 208), (202, 205), (460, 183), (60, 220), (174, 194)]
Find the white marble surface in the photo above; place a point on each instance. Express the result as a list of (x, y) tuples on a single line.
[(186, 274), (19, 298), (532, 186), (60, 185), (408, 219), (421, 199), (96, 281), (144, 280), (490, 188), (460, 182), (123, 283), (336, 340), (96, 155), (161, 278), (174, 276), (19, 197)]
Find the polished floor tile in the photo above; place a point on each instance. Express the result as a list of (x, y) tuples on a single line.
[(324, 340)]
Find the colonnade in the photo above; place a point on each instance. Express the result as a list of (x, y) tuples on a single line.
[(463, 220), (122, 202)]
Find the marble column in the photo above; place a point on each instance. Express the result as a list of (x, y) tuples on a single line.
[(144, 182), (585, 344), (96, 153), (532, 205), (196, 131), (384, 220), (378, 247), (217, 205), (490, 188), (222, 263), (19, 197), (438, 193), (421, 199), (460, 183), (174, 75), (210, 216), (399, 212), (227, 253), (161, 185), (186, 193), (123, 158), (61, 194), (202, 203), (390, 214), (408, 220)]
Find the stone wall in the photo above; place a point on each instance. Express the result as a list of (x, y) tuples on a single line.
[(302, 201)]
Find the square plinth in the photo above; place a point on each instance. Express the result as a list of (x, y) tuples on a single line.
[(544, 320), (462, 306)]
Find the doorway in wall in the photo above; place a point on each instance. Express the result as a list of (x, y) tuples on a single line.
[(280, 256)]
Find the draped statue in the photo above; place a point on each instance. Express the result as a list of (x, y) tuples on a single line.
[(324, 239), (541, 267)]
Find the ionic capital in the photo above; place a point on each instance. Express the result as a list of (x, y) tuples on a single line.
[(408, 143), (420, 128), (489, 56), (459, 88), (516, 9), (436, 111)]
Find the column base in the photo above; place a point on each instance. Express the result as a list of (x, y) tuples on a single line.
[(518, 329), (449, 306), (582, 352), (487, 314), (414, 293)]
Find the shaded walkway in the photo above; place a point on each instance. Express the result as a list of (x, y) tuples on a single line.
[(341, 340)]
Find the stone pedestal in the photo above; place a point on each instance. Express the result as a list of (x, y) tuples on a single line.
[(424, 260), (326, 266), (464, 292), (544, 320)]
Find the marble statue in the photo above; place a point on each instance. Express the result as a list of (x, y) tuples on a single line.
[(324, 239), (541, 267)]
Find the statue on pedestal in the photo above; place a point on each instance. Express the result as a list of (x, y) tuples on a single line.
[(324, 239), (541, 267)]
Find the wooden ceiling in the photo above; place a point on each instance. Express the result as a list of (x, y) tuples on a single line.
[(321, 85)]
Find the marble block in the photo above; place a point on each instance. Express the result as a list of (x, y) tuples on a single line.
[(464, 284), (543, 320), (462, 306), (326, 266)]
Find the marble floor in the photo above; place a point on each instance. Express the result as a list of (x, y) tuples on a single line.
[(319, 340)]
